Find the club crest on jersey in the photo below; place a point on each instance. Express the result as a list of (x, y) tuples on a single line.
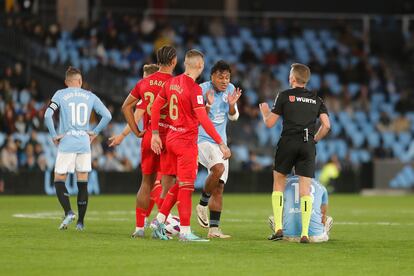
[(225, 98), (292, 99)]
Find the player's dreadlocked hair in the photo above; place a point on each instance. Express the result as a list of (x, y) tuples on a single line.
[(220, 66), (166, 55)]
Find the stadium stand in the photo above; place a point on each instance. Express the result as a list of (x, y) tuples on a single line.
[(371, 116)]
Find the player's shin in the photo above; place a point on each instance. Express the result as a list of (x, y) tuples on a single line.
[(184, 206), (306, 210), (277, 204), (169, 201), (205, 197), (82, 199), (63, 196)]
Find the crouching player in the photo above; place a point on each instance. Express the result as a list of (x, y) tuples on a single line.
[(320, 224)]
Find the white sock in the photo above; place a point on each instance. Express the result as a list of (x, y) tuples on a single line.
[(161, 218), (185, 230), (139, 228)]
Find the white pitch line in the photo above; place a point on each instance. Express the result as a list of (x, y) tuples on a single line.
[(104, 216)]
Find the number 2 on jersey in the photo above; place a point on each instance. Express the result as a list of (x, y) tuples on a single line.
[(149, 96), (79, 113)]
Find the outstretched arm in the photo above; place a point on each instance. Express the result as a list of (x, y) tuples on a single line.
[(128, 110), (269, 118), (117, 139)]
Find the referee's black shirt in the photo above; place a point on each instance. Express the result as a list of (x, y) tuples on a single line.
[(299, 109)]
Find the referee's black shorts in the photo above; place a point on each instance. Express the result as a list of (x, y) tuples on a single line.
[(293, 152)]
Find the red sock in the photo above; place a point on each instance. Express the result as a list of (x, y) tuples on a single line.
[(154, 198), (150, 206), (155, 194), (140, 215), (159, 203), (169, 200), (184, 204)]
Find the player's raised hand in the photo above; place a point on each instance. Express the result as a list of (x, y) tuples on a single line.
[(225, 150), (210, 97), (57, 139), (156, 143), (234, 97), (264, 108), (116, 140)]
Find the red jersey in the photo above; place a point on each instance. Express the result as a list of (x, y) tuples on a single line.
[(183, 95), (147, 90)]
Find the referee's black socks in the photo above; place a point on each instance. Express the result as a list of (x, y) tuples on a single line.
[(82, 199), (63, 196)]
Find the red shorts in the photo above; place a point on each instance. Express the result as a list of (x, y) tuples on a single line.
[(185, 156), (150, 162)]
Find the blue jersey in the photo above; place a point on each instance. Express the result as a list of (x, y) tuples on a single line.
[(219, 112), (292, 218), (75, 106)]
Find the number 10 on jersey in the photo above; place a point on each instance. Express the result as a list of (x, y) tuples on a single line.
[(79, 114)]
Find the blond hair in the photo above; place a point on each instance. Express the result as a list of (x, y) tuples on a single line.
[(150, 69), (301, 72), (71, 72)]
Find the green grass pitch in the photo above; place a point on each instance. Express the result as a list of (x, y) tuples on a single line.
[(371, 236)]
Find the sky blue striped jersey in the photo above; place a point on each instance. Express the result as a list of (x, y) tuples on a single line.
[(219, 112), (292, 218), (75, 106)]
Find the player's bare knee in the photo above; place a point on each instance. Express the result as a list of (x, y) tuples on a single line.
[(218, 169), (60, 177), (82, 176)]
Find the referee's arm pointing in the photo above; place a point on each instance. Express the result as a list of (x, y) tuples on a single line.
[(269, 118)]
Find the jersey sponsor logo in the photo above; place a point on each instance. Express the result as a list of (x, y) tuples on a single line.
[(292, 99), (200, 99), (304, 100)]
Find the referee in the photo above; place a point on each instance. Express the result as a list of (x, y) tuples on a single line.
[(299, 109)]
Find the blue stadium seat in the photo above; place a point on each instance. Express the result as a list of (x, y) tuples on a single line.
[(236, 44), (315, 81), (388, 139), (333, 82), (283, 43), (241, 152), (2, 139), (404, 138), (353, 88), (266, 44), (53, 55)]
